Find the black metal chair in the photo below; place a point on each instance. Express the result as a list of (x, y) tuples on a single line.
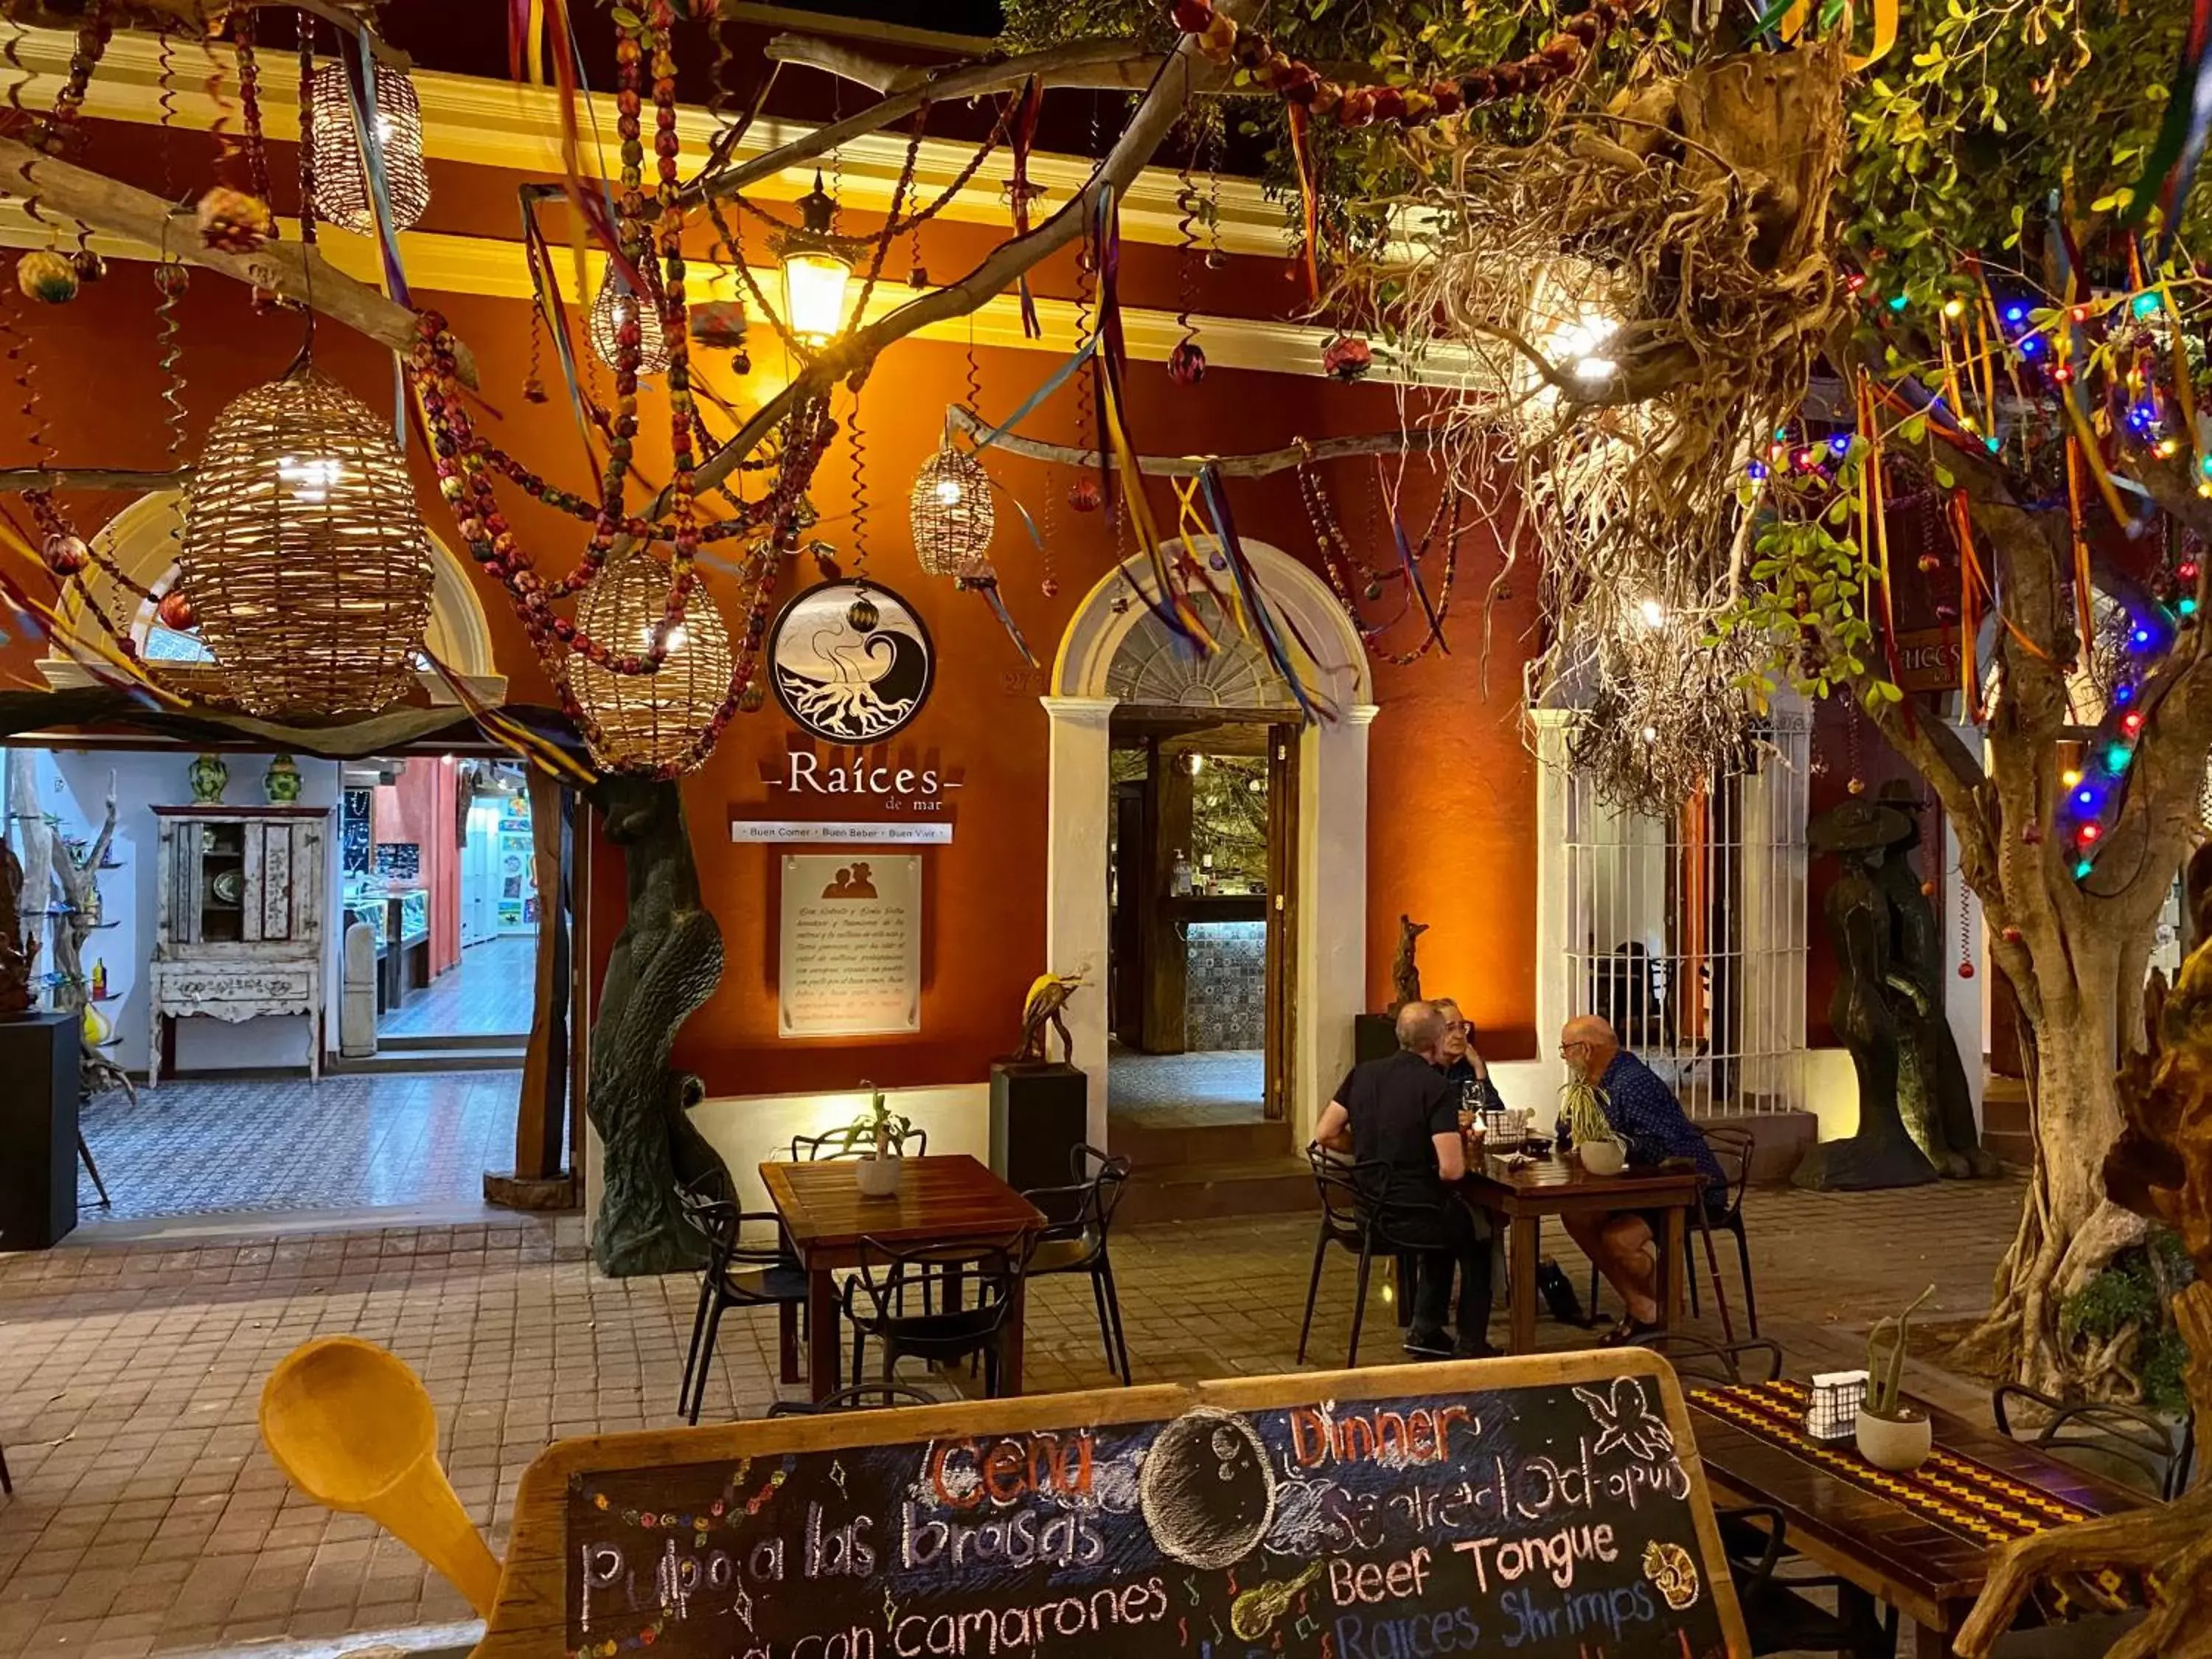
[(1080, 1215), (1699, 1359), (854, 1397), (873, 1304), (1778, 1615), (738, 1275), (2123, 1442), (1734, 1147), (856, 1141), (1367, 1210)]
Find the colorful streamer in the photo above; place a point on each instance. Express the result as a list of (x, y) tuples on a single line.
[(1030, 106), (2170, 168)]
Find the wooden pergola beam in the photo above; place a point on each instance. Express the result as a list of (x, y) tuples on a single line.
[(62, 190), (1260, 464)]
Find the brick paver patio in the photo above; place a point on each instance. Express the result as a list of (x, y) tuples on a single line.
[(147, 1518)]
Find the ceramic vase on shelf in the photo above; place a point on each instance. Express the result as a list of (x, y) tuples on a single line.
[(208, 776), (281, 780)]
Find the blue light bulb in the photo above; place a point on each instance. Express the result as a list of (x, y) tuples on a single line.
[(2015, 313)]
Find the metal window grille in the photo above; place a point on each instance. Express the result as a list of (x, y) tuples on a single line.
[(1688, 933)]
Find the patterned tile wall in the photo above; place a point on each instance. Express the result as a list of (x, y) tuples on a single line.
[(1225, 990)]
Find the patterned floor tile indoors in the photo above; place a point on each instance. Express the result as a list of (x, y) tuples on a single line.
[(190, 1148), (492, 993), (1176, 1091), (147, 1518)]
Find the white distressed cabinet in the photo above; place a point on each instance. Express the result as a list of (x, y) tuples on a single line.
[(244, 896)]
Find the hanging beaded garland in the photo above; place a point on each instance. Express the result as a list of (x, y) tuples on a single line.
[(307, 564), (343, 195), (951, 513), (646, 722)]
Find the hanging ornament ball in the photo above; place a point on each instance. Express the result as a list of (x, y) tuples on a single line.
[(232, 221), (1187, 364), (534, 391), (741, 364), (1929, 564), (66, 555), (1965, 971), (175, 611), (754, 697), (1856, 785), (46, 277), (174, 277), (863, 614), (1347, 357), (917, 279), (90, 267), (1083, 495), (1049, 588), (1927, 889)]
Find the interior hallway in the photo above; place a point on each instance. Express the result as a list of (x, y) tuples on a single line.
[(493, 992)]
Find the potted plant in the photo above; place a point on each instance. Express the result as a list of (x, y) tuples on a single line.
[(1590, 1132), (878, 1172), (1892, 1435)]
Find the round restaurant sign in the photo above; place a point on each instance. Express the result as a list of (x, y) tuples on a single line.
[(850, 662)]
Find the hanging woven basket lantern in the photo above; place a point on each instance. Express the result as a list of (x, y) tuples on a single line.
[(951, 514), (616, 308), (646, 722), (343, 195), (304, 553)]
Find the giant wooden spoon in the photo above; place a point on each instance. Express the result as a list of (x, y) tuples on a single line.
[(353, 1427)]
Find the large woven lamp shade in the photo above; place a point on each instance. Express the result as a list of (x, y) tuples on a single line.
[(950, 515), (306, 558), (342, 188), (648, 722)]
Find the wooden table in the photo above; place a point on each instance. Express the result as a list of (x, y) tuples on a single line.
[(1521, 1198), (1929, 1572), (939, 1200)]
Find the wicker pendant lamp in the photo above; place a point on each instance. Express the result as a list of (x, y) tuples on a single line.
[(616, 306), (646, 722), (951, 514), (342, 192), (304, 553)]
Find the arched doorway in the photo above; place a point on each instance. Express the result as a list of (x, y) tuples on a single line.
[(1116, 652), (141, 543)]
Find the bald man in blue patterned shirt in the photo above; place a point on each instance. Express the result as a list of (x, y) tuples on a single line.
[(1654, 1128)]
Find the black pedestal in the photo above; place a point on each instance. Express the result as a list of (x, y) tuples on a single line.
[(1373, 1036), (1040, 1113), (38, 1056)]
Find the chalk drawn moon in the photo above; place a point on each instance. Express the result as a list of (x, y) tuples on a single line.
[(1208, 1494)]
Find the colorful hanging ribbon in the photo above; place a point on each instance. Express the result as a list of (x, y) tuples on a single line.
[(2170, 168), (1022, 137), (1254, 603), (1308, 196)]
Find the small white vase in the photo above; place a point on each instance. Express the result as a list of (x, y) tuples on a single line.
[(877, 1176), (1897, 1444), (1603, 1157)]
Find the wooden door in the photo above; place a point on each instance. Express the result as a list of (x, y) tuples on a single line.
[(1282, 914), (1131, 885)]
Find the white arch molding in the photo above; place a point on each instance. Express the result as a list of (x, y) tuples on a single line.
[(141, 542), (1332, 813)]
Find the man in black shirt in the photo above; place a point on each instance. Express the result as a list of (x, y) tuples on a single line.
[(1403, 1116)]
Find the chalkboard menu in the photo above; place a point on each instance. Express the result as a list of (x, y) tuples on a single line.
[(1552, 1507)]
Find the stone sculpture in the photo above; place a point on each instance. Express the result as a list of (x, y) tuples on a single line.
[(1404, 973)]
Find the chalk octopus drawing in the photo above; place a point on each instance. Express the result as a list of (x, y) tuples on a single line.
[(1208, 1494), (1625, 1418), (850, 672)]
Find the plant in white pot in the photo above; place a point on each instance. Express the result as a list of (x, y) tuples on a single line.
[(878, 1172), (1892, 1435), (1590, 1131)]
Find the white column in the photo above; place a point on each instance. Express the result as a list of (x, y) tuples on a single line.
[(1554, 995), (1080, 803), (1332, 945)]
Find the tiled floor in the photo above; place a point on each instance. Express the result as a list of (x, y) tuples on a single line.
[(147, 1518), (1180, 1091), (493, 992), (345, 1142)]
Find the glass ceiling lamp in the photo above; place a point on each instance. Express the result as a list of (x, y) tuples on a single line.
[(342, 190), (816, 271), (306, 558)]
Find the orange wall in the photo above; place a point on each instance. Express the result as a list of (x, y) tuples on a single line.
[(1452, 788)]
